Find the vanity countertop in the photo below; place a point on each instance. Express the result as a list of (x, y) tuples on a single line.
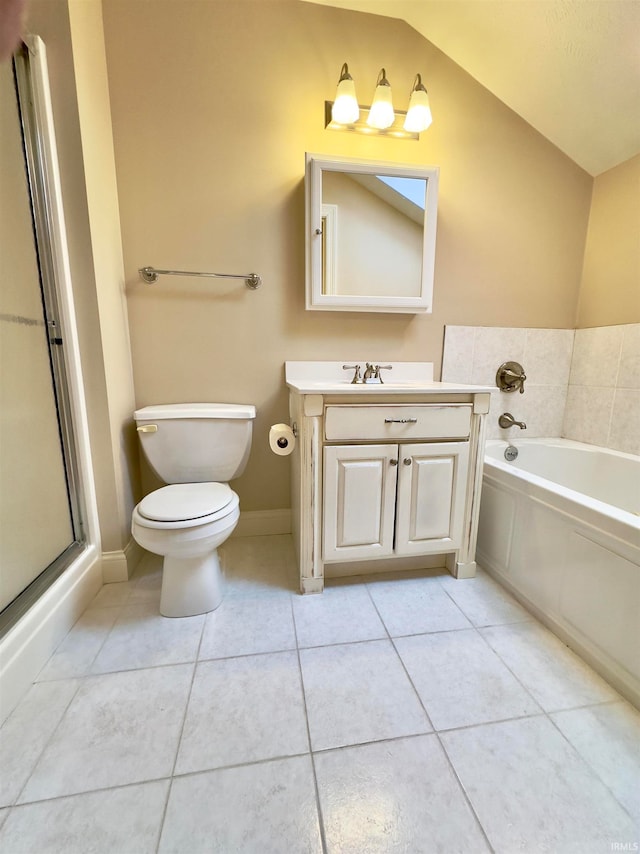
[(407, 378)]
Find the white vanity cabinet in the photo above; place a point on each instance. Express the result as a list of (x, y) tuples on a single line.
[(385, 477), (385, 500)]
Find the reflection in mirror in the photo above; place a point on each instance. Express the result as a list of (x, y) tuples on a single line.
[(379, 219), (371, 235)]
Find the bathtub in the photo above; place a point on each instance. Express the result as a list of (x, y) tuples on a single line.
[(560, 528)]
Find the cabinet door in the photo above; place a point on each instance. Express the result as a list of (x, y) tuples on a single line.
[(359, 501), (431, 497)]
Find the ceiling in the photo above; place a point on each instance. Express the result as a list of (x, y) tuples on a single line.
[(571, 68)]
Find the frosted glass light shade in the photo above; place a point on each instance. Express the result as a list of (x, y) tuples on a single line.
[(381, 114), (345, 109), (418, 117)]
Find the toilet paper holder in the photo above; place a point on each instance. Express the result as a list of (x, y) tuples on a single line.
[(282, 439)]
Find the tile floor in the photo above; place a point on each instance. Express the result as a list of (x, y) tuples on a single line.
[(413, 714)]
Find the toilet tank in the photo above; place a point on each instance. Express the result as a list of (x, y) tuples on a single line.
[(196, 442)]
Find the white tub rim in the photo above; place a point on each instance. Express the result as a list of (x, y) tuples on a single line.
[(609, 511)]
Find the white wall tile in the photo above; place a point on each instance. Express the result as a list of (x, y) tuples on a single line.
[(596, 356), (629, 370), (457, 360), (493, 346), (547, 356), (587, 414), (542, 408), (624, 432), (574, 380), (501, 402)]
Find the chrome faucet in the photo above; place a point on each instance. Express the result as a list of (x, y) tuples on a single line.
[(369, 373), (507, 420), (372, 373)]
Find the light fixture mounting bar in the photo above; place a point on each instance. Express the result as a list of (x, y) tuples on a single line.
[(396, 131)]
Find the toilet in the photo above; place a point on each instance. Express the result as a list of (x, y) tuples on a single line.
[(196, 448)]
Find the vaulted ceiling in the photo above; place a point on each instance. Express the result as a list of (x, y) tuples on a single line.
[(571, 68)]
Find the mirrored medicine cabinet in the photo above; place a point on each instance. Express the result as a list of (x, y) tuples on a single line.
[(370, 235)]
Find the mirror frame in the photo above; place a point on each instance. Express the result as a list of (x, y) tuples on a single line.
[(315, 298)]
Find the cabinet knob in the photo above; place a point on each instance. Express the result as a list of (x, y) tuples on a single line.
[(407, 461), (393, 462)]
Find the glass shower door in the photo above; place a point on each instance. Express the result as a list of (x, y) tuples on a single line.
[(37, 525)]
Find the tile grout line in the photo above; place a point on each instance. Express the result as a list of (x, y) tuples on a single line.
[(48, 741), (548, 715), (519, 680), (465, 794), (437, 735), (87, 669), (593, 770), (179, 739), (615, 388), (321, 827), (506, 666), (84, 792)]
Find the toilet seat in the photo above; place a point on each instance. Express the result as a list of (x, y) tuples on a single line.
[(183, 505)]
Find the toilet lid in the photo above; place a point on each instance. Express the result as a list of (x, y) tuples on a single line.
[(182, 501)]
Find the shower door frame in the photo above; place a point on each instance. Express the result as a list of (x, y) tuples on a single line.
[(32, 92)]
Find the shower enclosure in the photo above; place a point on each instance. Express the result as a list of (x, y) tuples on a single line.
[(41, 527)]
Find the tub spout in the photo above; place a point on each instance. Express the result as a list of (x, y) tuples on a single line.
[(507, 420)]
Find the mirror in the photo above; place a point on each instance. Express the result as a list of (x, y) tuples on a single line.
[(371, 230)]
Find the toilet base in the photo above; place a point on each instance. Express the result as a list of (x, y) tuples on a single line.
[(191, 585)]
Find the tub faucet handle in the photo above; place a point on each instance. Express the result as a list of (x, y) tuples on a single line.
[(511, 377)]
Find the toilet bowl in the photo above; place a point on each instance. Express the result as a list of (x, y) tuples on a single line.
[(187, 521)]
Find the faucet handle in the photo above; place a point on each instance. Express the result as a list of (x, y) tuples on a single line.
[(510, 377), (356, 377), (382, 368)]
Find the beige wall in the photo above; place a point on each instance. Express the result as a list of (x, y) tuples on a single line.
[(104, 218), (610, 290), (50, 20), (214, 105)]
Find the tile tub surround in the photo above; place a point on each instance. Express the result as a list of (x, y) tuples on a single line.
[(603, 400), (474, 354), (293, 725), (582, 384)]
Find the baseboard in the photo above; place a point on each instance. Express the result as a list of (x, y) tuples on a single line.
[(120, 564), (133, 554), (114, 566), (28, 646), (256, 523), (410, 563)]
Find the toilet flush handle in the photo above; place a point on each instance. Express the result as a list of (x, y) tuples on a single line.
[(148, 428)]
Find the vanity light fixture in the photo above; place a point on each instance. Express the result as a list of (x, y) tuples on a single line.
[(381, 115), (418, 117), (382, 119), (345, 109)]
